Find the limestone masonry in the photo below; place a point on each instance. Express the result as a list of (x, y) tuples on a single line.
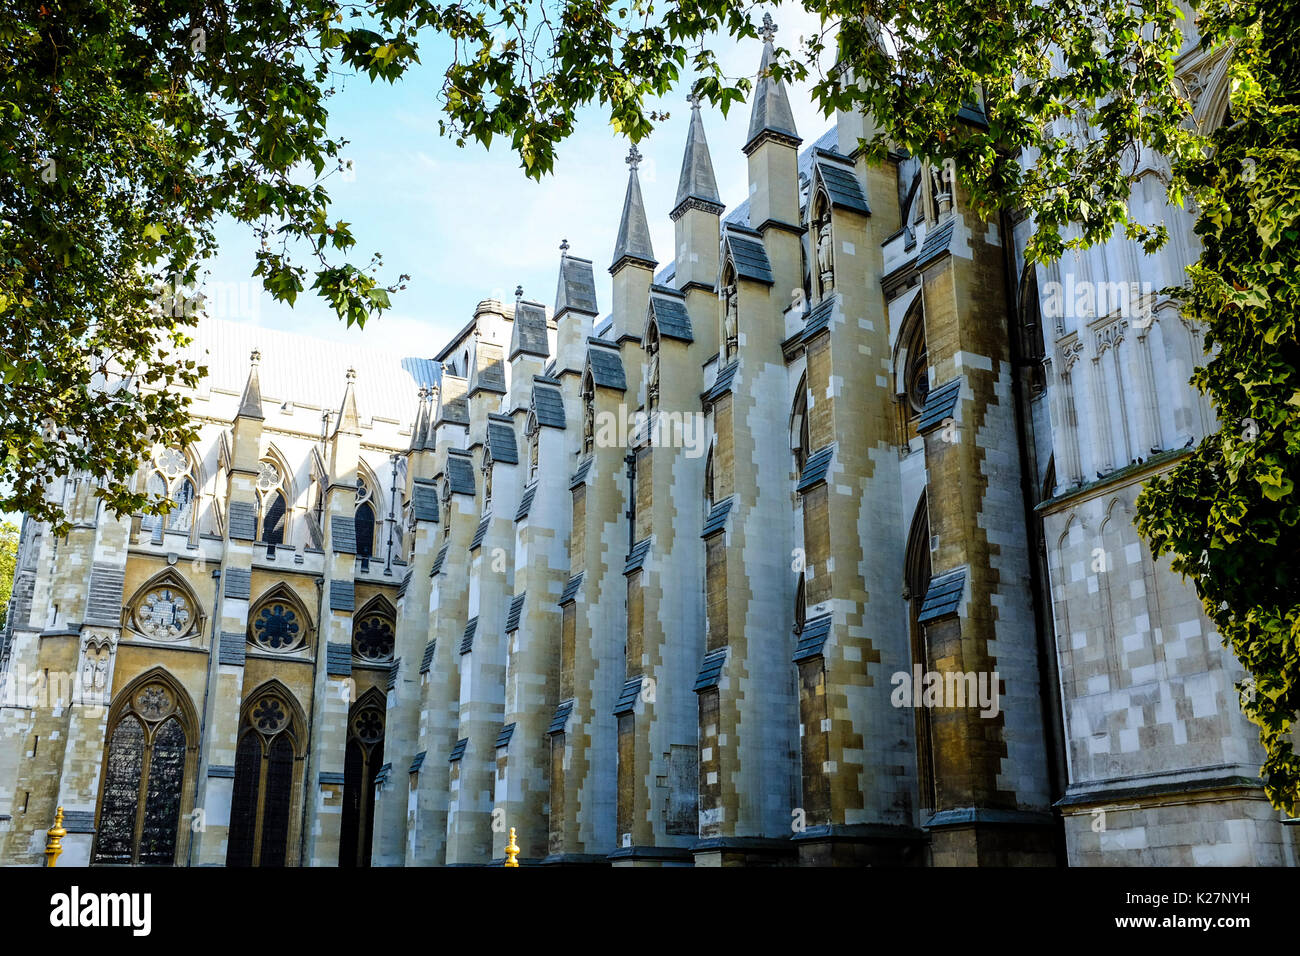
[(816, 548)]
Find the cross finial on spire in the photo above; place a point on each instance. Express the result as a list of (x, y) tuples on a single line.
[(424, 393), (768, 33), (694, 100), (255, 356), (519, 292), (352, 374), (564, 245), (634, 158)]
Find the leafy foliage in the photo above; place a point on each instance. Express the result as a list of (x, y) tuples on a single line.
[(1228, 512), (9, 535)]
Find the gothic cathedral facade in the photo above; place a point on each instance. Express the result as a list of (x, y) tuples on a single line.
[(816, 549)]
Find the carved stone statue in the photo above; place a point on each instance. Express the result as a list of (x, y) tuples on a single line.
[(487, 482), (533, 440), (825, 257), (652, 379), (731, 323), (588, 422)]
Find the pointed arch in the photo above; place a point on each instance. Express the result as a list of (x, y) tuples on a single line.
[(911, 360), (373, 631), (176, 475), (916, 577), (148, 772), (164, 608), (268, 787), (800, 440), (362, 760), (279, 621)]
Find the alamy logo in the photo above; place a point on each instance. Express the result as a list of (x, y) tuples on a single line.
[(946, 689), (75, 909)]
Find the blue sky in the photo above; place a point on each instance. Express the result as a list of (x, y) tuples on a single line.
[(466, 224)]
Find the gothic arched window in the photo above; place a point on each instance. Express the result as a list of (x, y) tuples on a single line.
[(278, 622), (372, 635), (147, 765), (361, 762), (268, 761), (800, 443), (916, 581), (165, 609), (364, 522), (272, 504), (171, 477)]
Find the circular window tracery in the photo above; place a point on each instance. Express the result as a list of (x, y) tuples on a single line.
[(154, 702), (374, 640), (164, 613), (277, 627)]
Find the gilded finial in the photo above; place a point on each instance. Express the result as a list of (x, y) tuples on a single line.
[(768, 33), (55, 834), (512, 850), (634, 158)]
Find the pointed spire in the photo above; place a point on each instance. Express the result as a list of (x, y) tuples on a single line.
[(250, 404), (421, 421), (528, 330), (771, 111), (697, 183), (349, 419), (633, 229)]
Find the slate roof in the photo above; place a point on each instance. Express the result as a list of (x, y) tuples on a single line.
[(437, 562), (424, 500), (626, 702), (489, 372), (818, 319), (237, 583), (343, 534), (501, 441), (417, 762), (458, 751), (562, 712), (636, 559), (936, 242), (467, 641), (526, 501), (606, 366), (815, 468), (305, 369), (406, 583), (528, 332), (668, 308), (842, 185), (812, 638), (480, 532), (939, 405), (338, 659), (452, 403), (232, 649), (580, 475), (393, 670), (343, 596), (571, 588), (722, 384), (460, 472), (576, 291), (711, 669), (943, 596), (503, 738), (548, 404), (748, 254), (516, 608), (426, 662), (717, 518), (242, 520)]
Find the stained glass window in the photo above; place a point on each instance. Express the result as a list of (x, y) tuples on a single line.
[(144, 781), (164, 613), (265, 777), (365, 529), (171, 477), (362, 760)]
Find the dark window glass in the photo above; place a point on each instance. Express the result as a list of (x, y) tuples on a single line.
[(181, 516), (162, 808), (273, 521), (243, 804), (121, 793), (279, 796), (353, 767), (365, 528)]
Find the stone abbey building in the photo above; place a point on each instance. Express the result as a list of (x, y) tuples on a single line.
[(814, 546)]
